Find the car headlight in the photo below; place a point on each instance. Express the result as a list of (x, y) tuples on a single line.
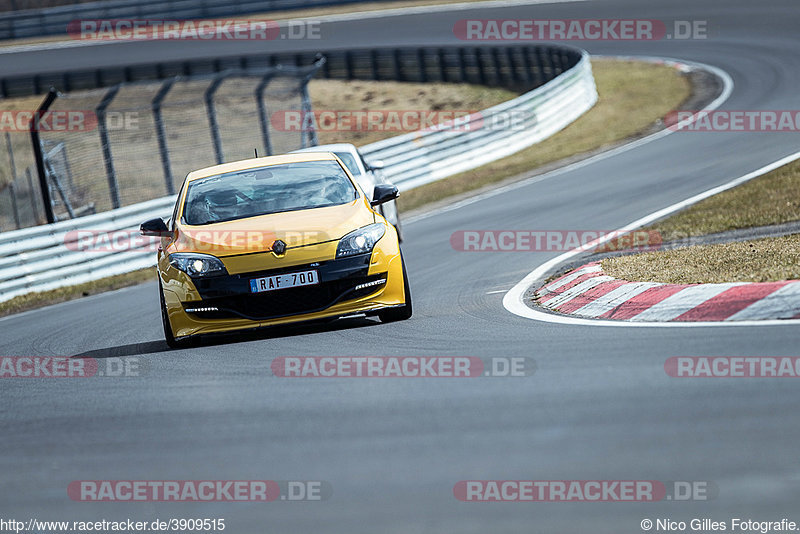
[(197, 264), (360, 241)]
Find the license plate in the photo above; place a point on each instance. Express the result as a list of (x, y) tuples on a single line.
[(283, 281)]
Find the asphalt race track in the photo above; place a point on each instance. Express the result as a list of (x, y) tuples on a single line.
[(600, 406)]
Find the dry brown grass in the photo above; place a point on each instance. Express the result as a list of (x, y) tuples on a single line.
[(392, 96), (761, 260)]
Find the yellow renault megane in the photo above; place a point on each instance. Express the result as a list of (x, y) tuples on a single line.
[(276, 240)]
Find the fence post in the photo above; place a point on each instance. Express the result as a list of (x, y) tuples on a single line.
[(39, 156), (12, 189), (161, 134), (212, 115), (306, 102), (263, 120), (33, 195), (111, 174), (11, 158)]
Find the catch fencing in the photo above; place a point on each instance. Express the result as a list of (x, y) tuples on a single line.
[(136, 141)]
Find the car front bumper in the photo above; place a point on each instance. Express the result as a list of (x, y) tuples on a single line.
[(347, 286)]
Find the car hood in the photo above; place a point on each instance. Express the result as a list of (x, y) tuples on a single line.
[(257, 234)]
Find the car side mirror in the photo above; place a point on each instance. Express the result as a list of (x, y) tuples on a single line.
[(376, 165), (383, 193), (154, 228)]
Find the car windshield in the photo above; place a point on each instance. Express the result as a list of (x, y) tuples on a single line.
[(350, 162), (265, 190)]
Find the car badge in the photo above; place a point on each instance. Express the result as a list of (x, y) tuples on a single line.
[(278, 247)]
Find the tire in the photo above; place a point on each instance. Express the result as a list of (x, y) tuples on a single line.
[(168, 336), (404, 312)]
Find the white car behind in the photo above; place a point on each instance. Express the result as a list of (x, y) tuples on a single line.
[(368, 175)]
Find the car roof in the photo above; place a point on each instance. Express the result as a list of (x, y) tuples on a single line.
[(333, 147), (254, 163)]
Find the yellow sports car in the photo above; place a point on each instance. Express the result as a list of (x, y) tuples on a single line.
[(276, 240)]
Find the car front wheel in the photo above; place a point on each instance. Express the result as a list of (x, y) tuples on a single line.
[(169, 337), (403, 312)]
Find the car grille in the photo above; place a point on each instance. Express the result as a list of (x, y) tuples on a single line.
[(284, 302)]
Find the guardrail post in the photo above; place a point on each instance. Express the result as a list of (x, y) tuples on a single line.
[(161, 134), (528, 67), (348, 64), (212, 116), (498, 74), (481, 67), (423, 74), (39, 156), (263, 119), (399, 75), (512, 66), (373, 56), (442, 65), (546, 65), (105, 145)]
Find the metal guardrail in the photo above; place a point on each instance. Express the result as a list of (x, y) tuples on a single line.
[(42, 258), (518, 66), (54, 20)]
